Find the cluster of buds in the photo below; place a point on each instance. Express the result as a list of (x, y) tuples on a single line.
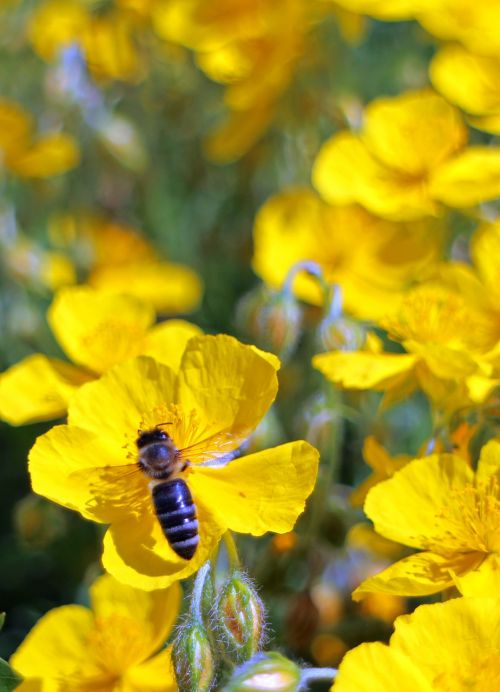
[(220, 632)]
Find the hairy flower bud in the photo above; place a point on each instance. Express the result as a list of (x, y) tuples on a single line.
[(342, 334), (193, 659), (240, 618), (272, 319), (265, 672)]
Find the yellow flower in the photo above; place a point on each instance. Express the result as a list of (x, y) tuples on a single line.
[(207, 409), (296, 225), (251, 47), (447, 338), (106, 38), (113, 647), (471, 82), (439, 505), (409, 160), (385, 9), (120, 261), (96, 331), (28, 155), (444, 647)]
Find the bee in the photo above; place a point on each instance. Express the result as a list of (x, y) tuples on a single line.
[(163, 462)]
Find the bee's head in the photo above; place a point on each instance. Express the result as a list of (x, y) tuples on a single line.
[(146, 437)]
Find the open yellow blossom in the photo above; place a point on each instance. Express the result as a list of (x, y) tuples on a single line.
[(120, 261), (409, 160), (29, 155), (208, 409), (447, 340), (105, 38), (115, 646), (444, 647), (96, 331), (471, 82), (296, 225), (439, 505)]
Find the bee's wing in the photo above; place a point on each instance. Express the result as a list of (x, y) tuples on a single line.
[(221, 447)]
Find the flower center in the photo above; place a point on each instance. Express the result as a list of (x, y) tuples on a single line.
[(117, 643)]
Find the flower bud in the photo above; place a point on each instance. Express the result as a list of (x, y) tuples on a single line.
[(342, 334), (265, 672), (193, 659), (272, 319), (240, 618)]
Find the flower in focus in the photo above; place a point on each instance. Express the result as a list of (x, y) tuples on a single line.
[(440, 506), (410, 159), (471, 82), (296, 225), (447, 339), (27, 154), (438, 648), (208, 408), (96, 331), (117, 260), (115, 645)]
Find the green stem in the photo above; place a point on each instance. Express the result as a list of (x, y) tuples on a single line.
[(316, 675), (232, 551), (197, 594)]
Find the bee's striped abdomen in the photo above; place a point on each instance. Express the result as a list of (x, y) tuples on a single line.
[(176, 513)]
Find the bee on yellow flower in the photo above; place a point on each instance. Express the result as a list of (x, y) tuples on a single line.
[(204, 411), (116, 644)]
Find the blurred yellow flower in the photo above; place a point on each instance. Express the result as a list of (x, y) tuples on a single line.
[(208, 409), (470, 81), (384, 466), (386, 9), (116, 646), (444, 647), (30, 264), (387, 258), (105, 38), (251, 47), (117, 260), (96, 331), (447, 340), (29, 155), (439, 505), (409, 160)]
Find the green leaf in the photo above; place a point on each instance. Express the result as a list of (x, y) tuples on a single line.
[(9, 679)]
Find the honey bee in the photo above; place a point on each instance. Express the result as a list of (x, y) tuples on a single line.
[(163, 462)]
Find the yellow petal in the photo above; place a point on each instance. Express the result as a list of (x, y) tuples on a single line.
[(38, 388), (259, 492), (417, 575), (15, 128), (155, 675), (73, 467), (49, 155), (170, 288), (167, 341), (469, 178), (153, 612), (482, 581), (457, 636), (361, 370), (471, 81), (98, 330), (345, 171), (375, 667), (229, 385), (54, 25), (114, 406), (405, 508), (137, 553), (56, 647), (489, 460), (413, 133)]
